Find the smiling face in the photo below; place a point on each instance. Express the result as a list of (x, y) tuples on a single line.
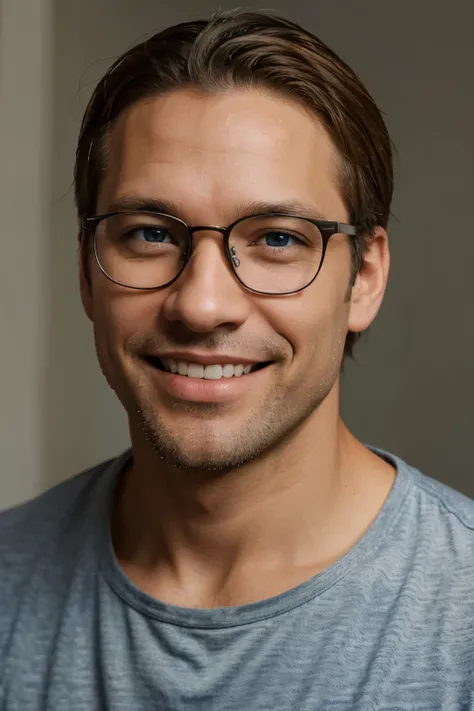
[(210, 159)]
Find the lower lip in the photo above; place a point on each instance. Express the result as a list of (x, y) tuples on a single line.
[(202, 390)]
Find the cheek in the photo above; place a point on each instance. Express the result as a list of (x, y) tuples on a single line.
[(119, 313), (116, 318), (315, 324)]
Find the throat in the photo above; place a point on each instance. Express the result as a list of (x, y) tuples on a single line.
[(247, 586)]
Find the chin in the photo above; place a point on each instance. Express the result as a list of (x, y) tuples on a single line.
[(207, 456), (203, 443)]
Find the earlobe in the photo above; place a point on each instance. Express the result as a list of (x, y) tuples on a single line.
[(369, 288), (84, 278)]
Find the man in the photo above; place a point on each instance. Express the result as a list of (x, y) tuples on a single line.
[(233, 185)]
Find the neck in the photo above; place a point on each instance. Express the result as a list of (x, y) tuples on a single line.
[(290, 513)]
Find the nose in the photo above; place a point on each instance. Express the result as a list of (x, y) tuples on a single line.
[(207, 295)]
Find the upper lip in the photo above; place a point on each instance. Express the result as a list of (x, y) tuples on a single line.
[(206, 358)]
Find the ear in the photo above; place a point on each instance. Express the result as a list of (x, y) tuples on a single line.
[(84, 276), (369, 288)]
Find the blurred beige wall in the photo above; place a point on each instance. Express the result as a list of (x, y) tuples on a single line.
[(26, 62), (413, 389)]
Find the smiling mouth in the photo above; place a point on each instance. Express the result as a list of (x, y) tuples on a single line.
[(208, 372)]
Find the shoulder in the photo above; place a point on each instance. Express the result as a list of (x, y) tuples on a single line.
[(433, 497), (423, 573), (440, 586), (439, 500), (45, 544), (431, 529), (35, 525), (48, 507), (436, 530)]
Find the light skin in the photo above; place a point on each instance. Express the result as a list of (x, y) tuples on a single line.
[(239, 499)]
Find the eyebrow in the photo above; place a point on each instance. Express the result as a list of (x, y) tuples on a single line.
[(135, 203), (295, 208)]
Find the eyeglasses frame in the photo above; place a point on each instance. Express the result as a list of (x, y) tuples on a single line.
[(327, 228)]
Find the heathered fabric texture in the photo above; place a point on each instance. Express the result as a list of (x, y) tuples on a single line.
[(390, 626)]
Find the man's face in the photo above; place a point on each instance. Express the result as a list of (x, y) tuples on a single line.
[(213, 156)]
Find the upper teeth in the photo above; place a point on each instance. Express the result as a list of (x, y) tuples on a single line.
[(209, 372)]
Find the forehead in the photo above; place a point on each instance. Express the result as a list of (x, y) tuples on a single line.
[(217, 151)]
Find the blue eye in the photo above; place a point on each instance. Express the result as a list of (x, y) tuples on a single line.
[(280, 239), (154, 234)]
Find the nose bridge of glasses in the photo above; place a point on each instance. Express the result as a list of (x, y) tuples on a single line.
[(223, 231), (207, 228)]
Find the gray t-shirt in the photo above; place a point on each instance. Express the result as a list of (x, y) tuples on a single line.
[(389, 626)]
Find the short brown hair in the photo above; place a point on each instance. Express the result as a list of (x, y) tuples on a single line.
[(252, 49)]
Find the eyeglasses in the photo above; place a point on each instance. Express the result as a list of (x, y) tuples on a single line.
[(271, 253)]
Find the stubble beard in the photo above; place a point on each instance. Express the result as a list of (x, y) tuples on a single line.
[(207, 447)]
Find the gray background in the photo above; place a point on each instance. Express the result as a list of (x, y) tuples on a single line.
[(412, 389)]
